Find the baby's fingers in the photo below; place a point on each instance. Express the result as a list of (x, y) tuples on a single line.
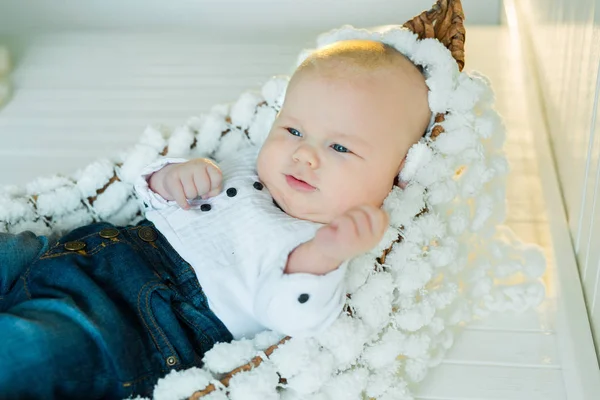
[(176, 190), (370, 223), (189, 185), (209, 180), (360, 223), (379, 220)]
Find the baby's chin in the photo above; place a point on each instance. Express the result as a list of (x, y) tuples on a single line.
[(297, 209)]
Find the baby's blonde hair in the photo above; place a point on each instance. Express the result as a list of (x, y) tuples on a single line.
[(357, 57), (350, 59)]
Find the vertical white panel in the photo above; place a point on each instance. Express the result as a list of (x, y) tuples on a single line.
[(592, 265), (566, 43)]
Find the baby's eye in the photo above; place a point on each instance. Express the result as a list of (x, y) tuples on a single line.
[(339, 148), (294, 132)]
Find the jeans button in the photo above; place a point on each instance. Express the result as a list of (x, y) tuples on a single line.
[(74, 246), (147, 234), (109, 233), (171, 361)]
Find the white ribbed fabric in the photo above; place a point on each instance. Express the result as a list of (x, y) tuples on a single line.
[(239, 249)]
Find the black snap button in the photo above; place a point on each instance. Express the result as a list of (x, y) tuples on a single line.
[(171, 361), (147, 234), (205, 207), (74, 246), (109, 233), (258, 186), (231, 192), (303, 298)]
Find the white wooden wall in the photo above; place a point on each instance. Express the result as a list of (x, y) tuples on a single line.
[(565, 38), (220, 17)]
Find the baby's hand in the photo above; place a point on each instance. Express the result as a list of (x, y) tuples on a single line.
[(352, 233), (186, 181)]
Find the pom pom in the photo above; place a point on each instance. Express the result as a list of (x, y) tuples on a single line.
[(231, 142), (135, 161), (348, 385), (418, 156), (264, 340), (274, 91), (181, 384), (402, 40), (403, 205), (259, 383), (112, 199), (359, 269), (414, 318), (411, 275), (59, 201), (224, 357), (345, 339), (380, 382), (261, 126), (456, 141), (210, 131), (154, 137), (373, 301), (216, 395), (13, 210), (294, 355), (180, 142), (94, 177), (242, 112), (534, 261), (313, 377)]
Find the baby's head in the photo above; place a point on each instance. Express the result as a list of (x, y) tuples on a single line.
[(351, 112)]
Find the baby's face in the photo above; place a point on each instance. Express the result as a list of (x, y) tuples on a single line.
[(337, 143)]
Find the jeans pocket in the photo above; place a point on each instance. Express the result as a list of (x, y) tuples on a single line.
[(201, 326), (154, 308), (181, 331)]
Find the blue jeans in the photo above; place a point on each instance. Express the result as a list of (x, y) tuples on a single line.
[(104, 312)]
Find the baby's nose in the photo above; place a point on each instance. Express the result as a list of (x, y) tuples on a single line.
[(306, 154)]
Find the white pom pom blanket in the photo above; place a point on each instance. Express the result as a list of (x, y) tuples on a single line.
[(446, 255)]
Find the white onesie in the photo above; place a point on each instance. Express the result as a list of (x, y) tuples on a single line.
[(238, 243)]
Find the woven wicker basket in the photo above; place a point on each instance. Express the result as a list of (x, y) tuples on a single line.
[(444, 21)]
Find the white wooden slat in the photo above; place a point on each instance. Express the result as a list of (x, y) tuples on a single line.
[(123, 102), (221, 17), (485, 382), (66, 164), (590, 259), (590, 81), (534, 349), (539, 320), (585, 235), (592, 266)]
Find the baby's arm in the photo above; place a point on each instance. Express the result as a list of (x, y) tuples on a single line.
[(306, 295), (186, 181), (353, 233)]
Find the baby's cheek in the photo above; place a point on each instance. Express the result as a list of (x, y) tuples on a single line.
[(343, 198)]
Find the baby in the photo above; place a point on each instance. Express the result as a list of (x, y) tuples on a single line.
[(258, 242)]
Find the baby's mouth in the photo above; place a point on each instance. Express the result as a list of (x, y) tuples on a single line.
[(298, 184)]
